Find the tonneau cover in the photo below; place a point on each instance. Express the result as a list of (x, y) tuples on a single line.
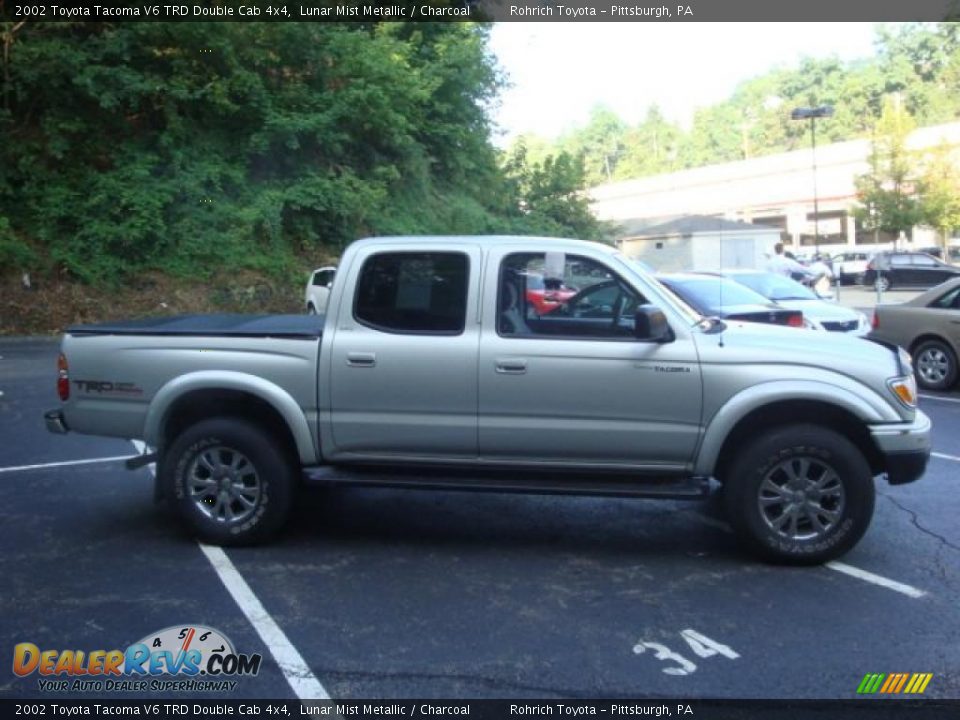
[(304, 326)]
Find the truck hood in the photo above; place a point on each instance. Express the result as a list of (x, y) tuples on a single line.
[(753, 343)]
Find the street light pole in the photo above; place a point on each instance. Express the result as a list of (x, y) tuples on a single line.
[(811, 114)]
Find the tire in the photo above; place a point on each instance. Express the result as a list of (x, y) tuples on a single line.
[(311, 310), (935, 364), (253, 460), (775, 460), (883, 283)]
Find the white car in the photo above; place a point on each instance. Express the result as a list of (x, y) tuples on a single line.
[(818, 314), (318, 290), (849, 267)]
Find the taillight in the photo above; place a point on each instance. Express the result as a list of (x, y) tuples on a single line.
[(795, 320), (875, 322), (63, 378)]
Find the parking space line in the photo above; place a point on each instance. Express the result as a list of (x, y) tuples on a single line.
[(944, 456), (939, 397), (66, 463), (869, 577), (295, 670), (840, 567)]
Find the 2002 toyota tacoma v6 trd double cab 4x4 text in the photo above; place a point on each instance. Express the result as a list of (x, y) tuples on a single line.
[(430, 353)]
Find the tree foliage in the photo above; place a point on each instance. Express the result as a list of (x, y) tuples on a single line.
[(918, 62), (199, 147)]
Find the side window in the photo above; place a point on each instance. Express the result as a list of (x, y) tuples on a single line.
[(413, 293), (949, 301), (924, 260), (567, 296), (320, 279), (900, 260)]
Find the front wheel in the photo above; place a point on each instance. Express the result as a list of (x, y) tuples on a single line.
[(800, 494), (229, 480), (882, 283)]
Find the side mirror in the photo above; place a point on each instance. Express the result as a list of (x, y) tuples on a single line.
[(650, 325)]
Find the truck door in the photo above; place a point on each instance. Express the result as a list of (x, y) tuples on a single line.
[(574, 385), (403, 365)]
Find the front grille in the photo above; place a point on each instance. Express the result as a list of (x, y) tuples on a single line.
[(845, 326)]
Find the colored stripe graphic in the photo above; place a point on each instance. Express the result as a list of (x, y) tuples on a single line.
[(894, 683)]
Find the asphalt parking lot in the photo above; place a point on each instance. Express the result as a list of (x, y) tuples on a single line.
[(377, 593)]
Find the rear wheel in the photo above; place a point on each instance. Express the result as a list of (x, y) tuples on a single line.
[(936, 365), (229, 480), (800, 494), (311, 310), (883, 283)]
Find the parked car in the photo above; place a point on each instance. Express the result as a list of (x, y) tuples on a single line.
[(818, 314), (849, 267), (929, 327), (425, 356), (318, 290), (907, 270), (545, 294), (724, 298)]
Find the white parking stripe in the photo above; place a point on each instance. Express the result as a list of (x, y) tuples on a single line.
[(296, 671), (294, 668), (939, 397), (66, 463), (944, 456), (850, 570), (869, 577)]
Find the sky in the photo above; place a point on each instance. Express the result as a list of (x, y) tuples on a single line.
[(560, 71)]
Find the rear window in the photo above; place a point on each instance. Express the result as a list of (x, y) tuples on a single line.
[(413, 293)]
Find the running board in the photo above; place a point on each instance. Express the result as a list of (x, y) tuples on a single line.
[(667, 488)]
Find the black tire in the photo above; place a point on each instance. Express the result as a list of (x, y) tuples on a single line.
[(311, 310), (935, 364), (258, 494), (848, 493), (883, 283)]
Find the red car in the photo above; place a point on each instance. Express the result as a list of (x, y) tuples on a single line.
[(546, 295)]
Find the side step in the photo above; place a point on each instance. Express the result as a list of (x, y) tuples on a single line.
[(512, 482)]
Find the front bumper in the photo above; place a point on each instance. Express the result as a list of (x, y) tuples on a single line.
[(55, 422), (905, 447)]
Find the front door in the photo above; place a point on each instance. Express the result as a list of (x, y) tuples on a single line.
[(574, 385)]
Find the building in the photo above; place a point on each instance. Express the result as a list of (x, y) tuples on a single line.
[(775, 190), (698, 242)]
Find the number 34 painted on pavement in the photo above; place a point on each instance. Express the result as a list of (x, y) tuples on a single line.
[(700, 644)]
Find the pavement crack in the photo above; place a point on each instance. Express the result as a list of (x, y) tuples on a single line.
[(916, 523)]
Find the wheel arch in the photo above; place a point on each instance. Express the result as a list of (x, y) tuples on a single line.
[(732, 427), (191, 398)]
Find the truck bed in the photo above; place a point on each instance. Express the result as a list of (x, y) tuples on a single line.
[(221, 325)]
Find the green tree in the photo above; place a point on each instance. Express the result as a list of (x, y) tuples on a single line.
[(939, 189), (887, 194)]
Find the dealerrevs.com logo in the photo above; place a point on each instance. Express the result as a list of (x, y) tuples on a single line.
[(200, 658)]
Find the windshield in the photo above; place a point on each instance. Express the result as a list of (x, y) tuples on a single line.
[(773, 286), (711, 294), (691, 314)]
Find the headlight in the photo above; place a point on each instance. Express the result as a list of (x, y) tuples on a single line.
[(905, 388)]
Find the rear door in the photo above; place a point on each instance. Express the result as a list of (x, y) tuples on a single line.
[(403, 376)]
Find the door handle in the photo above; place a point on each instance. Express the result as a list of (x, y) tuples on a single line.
[(361, 359), (512, 366)]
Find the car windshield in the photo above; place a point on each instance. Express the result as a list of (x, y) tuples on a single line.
[(773, 286), (711, 294)]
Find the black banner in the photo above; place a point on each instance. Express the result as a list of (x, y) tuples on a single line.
[(479, 10), (874, 709)]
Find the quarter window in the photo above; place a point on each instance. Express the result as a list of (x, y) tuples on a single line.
[(413, 293)]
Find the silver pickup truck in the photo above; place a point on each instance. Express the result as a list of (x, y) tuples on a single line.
[(436, 351)]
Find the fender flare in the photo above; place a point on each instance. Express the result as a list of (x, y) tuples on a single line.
[(278, 398), (868, 406)]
